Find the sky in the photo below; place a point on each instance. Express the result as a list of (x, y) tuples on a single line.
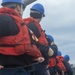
[(59, 21)]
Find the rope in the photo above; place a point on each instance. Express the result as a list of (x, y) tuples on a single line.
[(26, 66)]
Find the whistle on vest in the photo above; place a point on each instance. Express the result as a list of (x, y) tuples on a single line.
[(33, 36)]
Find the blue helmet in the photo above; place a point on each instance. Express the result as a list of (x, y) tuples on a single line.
[(59, 53), (66, 57), (38, 7), (50, 37), (11, 1)]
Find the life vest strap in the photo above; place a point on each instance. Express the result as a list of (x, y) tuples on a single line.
[(8, 45)]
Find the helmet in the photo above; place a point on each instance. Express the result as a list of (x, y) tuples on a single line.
[(59, 53), (11, 1), (50, 37), (66, 57), (38, 7)]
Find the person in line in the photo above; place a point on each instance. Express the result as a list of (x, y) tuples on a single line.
[(63, 65), (33, 23), (67, 58), (67, 65), (52, 60), (16, 50)]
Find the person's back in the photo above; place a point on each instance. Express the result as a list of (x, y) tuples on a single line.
[(37, 29), (15, 45), (8, 35), (52, 60), (67, 65), (33, 23), (41, 43), (64, 65)]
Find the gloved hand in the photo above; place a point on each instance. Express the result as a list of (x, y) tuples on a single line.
[(1, 67), (50, 52), (40, 59)]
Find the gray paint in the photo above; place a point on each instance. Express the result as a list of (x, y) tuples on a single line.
[(73, 70), (27, 2)]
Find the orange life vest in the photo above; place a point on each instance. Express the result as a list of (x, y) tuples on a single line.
[(60, 63), (17, 44), (42, 38), (52, 62)]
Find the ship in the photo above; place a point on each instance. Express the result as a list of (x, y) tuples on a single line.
[(73, 68)]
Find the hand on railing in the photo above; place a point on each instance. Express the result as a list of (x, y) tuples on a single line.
[(40, 59), (1, 66)]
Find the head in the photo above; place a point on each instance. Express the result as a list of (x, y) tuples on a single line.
[(14, 4), (66, 57), (50, 40), (50, 37), (37, 12), (59, 53)]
